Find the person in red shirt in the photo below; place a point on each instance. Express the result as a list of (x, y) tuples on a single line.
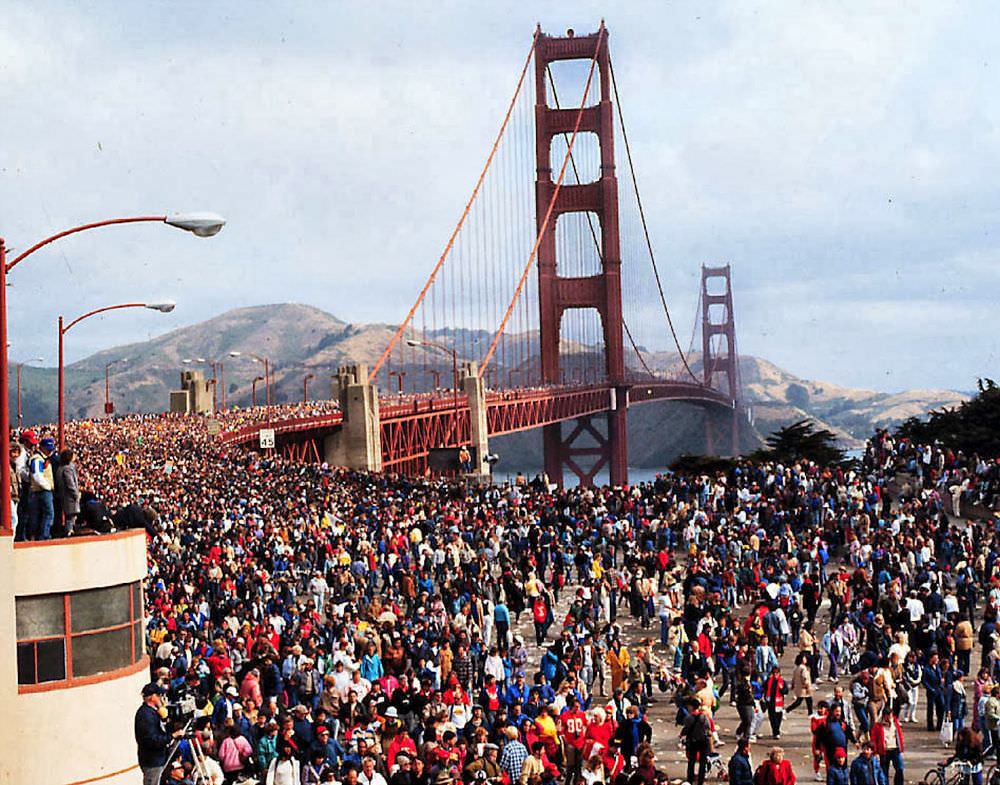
[(613, 760), (599, 732), (817, 725), (573, 729), (775, 690)]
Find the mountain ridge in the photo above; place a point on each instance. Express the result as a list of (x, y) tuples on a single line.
[(300, 339)]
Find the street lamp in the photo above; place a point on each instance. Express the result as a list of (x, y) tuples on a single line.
[(267, 370), (305, 387), (253, 390), (454, 374), (19, 367), (109, 407), (200, 224), (163, 307)]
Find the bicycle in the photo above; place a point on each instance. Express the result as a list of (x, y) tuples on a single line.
[(940, 776)]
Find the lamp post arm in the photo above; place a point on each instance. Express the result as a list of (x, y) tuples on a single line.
[(83, 228), (96, 311)]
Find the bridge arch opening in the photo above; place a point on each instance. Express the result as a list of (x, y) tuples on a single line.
[(581, 346), (566, 82), (715, 285), (718, 313), (584, 166), (578, 244)]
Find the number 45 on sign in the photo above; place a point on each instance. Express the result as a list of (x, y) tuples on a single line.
[(266, 438)]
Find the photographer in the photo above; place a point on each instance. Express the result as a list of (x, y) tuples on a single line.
[(151, 738)]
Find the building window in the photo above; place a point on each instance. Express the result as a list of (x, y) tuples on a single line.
[(62, 637)]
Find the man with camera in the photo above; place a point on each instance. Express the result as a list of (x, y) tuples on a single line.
[(151, 737)]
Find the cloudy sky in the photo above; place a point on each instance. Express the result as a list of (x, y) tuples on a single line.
[(843, 157)]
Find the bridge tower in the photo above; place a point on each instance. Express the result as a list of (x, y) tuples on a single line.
[(602, 292), (719, 357)]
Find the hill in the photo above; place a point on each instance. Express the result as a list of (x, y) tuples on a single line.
[(301, 339)]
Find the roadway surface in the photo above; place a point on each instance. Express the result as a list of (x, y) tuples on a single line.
[(922, 749)]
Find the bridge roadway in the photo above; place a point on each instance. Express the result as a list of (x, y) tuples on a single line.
[(411, 425)]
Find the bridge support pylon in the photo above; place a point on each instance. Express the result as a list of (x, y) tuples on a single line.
[(358, 443), (601, 292), (718, 341), (475, 391)]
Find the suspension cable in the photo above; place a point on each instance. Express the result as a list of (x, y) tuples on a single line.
[(461, 221), (543, 226), (645, 227), (590, 220), (638, 354)]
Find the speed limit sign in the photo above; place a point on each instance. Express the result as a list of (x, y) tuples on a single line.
[(267, 438)]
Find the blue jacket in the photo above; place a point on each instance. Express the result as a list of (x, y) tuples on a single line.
[(867, 772), (837, 775), (150, 737), (932, 680), (741, 772)]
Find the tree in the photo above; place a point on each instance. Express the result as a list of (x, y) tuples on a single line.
[(802, 440), (972, 427)]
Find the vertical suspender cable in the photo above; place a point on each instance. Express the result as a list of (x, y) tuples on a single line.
[(451, 241)]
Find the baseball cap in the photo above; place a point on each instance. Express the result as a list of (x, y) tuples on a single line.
[(48, 443)]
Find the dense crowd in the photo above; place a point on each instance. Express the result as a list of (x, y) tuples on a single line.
[(310, 624)]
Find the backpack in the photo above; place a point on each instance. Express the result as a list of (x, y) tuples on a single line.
[(760, 776)]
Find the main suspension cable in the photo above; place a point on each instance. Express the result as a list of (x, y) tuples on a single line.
[(645, 227)]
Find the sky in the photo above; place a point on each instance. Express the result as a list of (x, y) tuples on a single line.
[(842, 157)]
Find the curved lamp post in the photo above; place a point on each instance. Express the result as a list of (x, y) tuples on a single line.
[(199, 224), (454, 374), (253, 389), (267, 371), (19, 367), (164, 307), (305, 387)]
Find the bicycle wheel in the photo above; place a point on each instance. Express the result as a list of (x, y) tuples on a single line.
[(933, 777)]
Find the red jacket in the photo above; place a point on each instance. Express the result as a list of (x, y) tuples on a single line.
[(878, 737), (776, 773)]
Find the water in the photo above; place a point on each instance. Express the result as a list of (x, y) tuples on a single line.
[(635, 476)]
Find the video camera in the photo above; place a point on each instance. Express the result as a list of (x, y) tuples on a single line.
[(182, 709)]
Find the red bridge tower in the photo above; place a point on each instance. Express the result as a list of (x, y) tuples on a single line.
[(719, 356), (602, 292)]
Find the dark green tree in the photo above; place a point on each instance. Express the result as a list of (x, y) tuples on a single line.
[(972, 427), (802, 440)]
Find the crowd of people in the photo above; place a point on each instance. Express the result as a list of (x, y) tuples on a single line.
[(311, 624)]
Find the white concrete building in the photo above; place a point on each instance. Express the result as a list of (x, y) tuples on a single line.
[(72, 671)]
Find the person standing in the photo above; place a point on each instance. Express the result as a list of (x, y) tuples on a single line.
[(933, 681), (887, 741), (151, 738), (775, 770), (866, 769), (837, 772), (697, 736), (740, 766), (40, 503), (68, 484), (775, 690), (746, 704), (802, 683)]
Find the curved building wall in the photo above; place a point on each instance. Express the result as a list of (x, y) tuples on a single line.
[(73, 669)]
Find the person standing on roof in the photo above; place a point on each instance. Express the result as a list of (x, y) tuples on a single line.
[(40, 507)]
